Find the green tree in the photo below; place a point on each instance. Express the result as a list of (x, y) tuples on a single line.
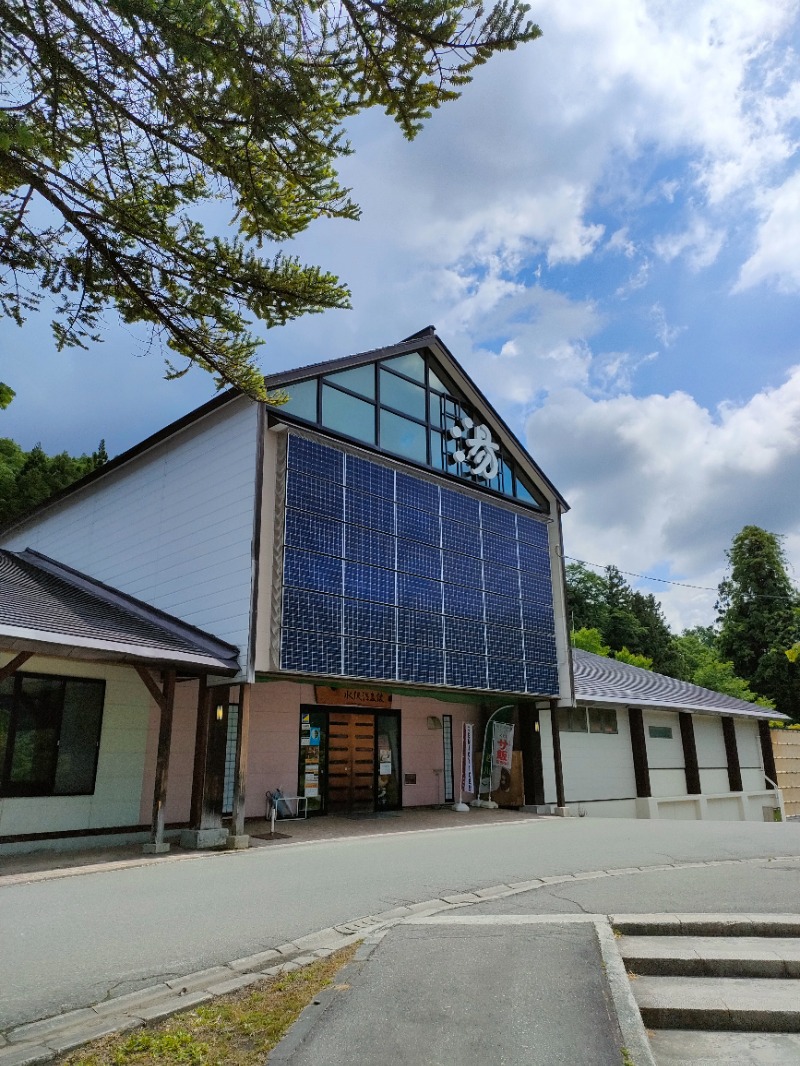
[(120, 118), (758, 618), (586, 598), (700, 663), (624, 655), (29, 478), (590, 640)]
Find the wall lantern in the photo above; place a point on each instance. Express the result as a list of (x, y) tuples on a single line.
[(220, 712)]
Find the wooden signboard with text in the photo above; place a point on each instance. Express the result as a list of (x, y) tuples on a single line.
[(352, 697)]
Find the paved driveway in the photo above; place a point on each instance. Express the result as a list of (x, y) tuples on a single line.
[(71, 941)]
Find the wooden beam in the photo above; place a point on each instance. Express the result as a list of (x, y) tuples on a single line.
[(531, 745), (242, 750), (560, 800), (732, 754), (767, 753), (690, 763), (200, 754), (151, 685), (641, 768), (167, 702), (15, 664)]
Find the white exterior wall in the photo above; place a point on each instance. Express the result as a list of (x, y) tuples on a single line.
[(711, 755), (173, 527), (665, 757), (598, 766), (751, 759), (117, 795)]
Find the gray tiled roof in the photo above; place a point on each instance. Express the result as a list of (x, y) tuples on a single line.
[(46, 603), (607, 680)]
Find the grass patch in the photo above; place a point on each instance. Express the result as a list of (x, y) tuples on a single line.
[(234, 1030)]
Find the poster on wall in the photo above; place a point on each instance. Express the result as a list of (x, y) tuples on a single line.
[(384, 756)]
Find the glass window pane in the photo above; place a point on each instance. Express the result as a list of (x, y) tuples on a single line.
[(313, 759), (412, 365), (396, 392), (388, 731), (522, 492), (402, 437), (571, 720), (33, 760), (438, 451), (360, 379), (346, 414), (602, 720), (80, 737), (302, 400), (436, 410), (436, 383)]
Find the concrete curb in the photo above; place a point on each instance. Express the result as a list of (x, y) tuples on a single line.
[(634, 1035), (41, 1041)]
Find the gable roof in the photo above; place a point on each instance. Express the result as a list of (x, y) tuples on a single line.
[(603, 680), (424, 338), (51, 609)]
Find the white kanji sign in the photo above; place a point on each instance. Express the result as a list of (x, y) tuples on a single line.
[(476, 448)]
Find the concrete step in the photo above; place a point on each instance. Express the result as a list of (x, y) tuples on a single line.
[(770, 925), (724, 1003), (712, 956), (685, 1047)]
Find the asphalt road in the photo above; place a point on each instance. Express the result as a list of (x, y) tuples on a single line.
[(71, 941)]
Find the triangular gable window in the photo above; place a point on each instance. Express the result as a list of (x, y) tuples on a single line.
[(405, 406)]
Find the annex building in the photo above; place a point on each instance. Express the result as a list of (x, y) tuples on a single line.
[(317, 596)]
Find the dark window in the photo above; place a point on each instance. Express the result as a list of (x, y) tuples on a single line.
[(571, 720), (660, 732), (602, 720), (49, 735)]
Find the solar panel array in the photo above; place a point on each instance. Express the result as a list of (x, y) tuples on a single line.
[(390, 577)]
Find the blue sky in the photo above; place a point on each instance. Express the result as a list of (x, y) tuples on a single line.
[(605, 230)]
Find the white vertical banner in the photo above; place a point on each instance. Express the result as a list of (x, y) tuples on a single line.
[(467, 773)]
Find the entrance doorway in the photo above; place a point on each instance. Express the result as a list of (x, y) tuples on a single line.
[(351, 762)]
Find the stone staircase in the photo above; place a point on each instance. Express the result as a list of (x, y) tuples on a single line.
[(716, 989)]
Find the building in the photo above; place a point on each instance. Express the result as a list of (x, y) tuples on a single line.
[(315, 596)]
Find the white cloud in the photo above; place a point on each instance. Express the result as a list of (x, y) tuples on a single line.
[(661, 478), (776, 255), (700, 243)]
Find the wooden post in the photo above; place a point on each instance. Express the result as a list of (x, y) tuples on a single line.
[(238, 839), (690, 763), (767, 753), (641, 767), (200, 755), (14, 665), (560, 800), (531, 745), (166, 702), (732, 753)]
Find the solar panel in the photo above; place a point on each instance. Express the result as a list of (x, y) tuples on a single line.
[(389, 576)]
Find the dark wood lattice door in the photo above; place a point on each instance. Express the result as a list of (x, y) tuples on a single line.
[(351, 762)]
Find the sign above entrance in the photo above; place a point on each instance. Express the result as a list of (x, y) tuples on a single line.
[(352, 697)]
